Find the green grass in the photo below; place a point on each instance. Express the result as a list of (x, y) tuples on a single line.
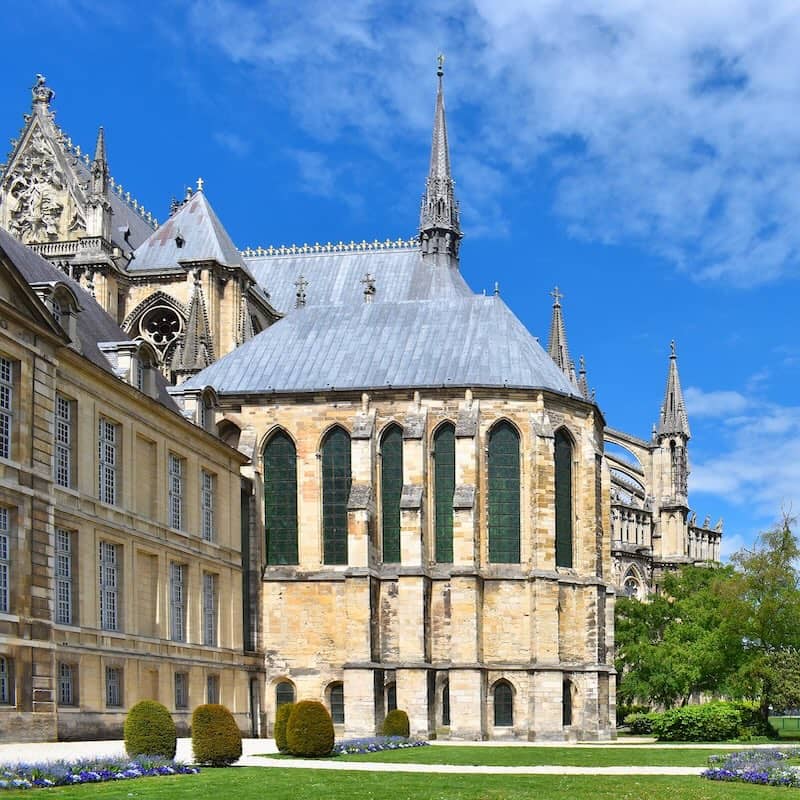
[(538, 756), (254, 783)]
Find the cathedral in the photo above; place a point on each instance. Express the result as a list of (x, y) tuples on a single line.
[(434, 513)]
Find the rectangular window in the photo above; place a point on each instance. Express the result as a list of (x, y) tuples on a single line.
[(181, 690), (175, 499), (114, 687), (65, 412), (6, 681), (212, 689), (177, 601), (207, 505), (6, 404), (109, 584), (67, 696), (5, 561), (209, 609), (108, 461), (63, 570)]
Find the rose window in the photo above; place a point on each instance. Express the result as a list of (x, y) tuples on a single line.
[(161, 326)]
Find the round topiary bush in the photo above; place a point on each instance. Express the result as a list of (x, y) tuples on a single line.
[(216, 739), (281, 719), (309, 732), (149, 730), (396, 723)]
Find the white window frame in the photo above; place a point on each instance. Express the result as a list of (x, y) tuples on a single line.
[(210, 627), (176, 469), (207, 487), (6, 406), (114, 677), (109, 586), (108, 461), (177, 601), (64, 438), (5, 560), (63, 576)]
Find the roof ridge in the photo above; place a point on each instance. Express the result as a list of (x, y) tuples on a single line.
[(331, 247)]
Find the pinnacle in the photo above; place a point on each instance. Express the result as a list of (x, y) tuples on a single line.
[(673, 419)]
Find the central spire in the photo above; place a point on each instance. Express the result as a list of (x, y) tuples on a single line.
[(673, 419), (439, 226)]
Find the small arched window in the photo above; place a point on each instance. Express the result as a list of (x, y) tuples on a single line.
[(446, 702), (391, 490), (563, 498), (280, 499), (444, 486), (503, 697), (335, 494), (284, 693), (566, 703), (336, 701), (504, 493), (632, 587)]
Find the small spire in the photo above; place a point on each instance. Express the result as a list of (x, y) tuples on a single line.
[(583, 383), (439, 224), (42, 93), (673, 419), (557, 346), (100, 147)]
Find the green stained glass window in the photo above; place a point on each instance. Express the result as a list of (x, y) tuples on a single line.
[(391, 489), (335, 494), (563, 468), (280, 499), (504, 491), (503, 705), (444, 482)]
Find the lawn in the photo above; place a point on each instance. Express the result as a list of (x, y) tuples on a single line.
[(255, 783), (538, 756)]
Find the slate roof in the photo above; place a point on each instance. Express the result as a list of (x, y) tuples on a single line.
[(464, 341), (93, 323), (204, 239), (334, 278)]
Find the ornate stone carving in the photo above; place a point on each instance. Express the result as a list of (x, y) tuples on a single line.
[(40, 207)]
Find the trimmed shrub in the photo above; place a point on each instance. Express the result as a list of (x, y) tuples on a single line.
[(396, 723), (640, 724), (149, 730), (711, 722), (281, 719), (216, 739), (309, 731), (624, 710)]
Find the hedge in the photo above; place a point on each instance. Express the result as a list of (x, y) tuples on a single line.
[(281, 719)]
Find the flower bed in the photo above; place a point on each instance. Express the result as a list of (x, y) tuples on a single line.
[(374, 744), (755, 766), (69, 773)]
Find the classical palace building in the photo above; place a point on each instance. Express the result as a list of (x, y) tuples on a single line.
[(414, 504)]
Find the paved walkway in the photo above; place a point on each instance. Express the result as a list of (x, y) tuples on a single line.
[(254, 750)]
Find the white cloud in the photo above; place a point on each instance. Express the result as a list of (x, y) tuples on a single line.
[(669, 125), (232, 142), (714, 404)]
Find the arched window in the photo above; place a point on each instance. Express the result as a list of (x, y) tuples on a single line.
[(335, 494), (563, 469), (391, 489), (336, 702), (444, 486), (631, 586), (446, 702), (566, 703), (391, 696), (504, 491), (280, 499), (284, 693), (503, 704)]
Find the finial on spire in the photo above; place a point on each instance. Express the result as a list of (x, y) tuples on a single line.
[(497, 288), (557, 296), (41, 92), (440, 64), (200, 183), (672, 353)]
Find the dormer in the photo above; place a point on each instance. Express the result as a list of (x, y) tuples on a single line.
[(144, 370), (134, 362), (197, 405), (63, 305)]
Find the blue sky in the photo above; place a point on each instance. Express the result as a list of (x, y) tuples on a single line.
[(644, 157)]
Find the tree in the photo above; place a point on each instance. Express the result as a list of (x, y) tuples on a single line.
[(679, 641)]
